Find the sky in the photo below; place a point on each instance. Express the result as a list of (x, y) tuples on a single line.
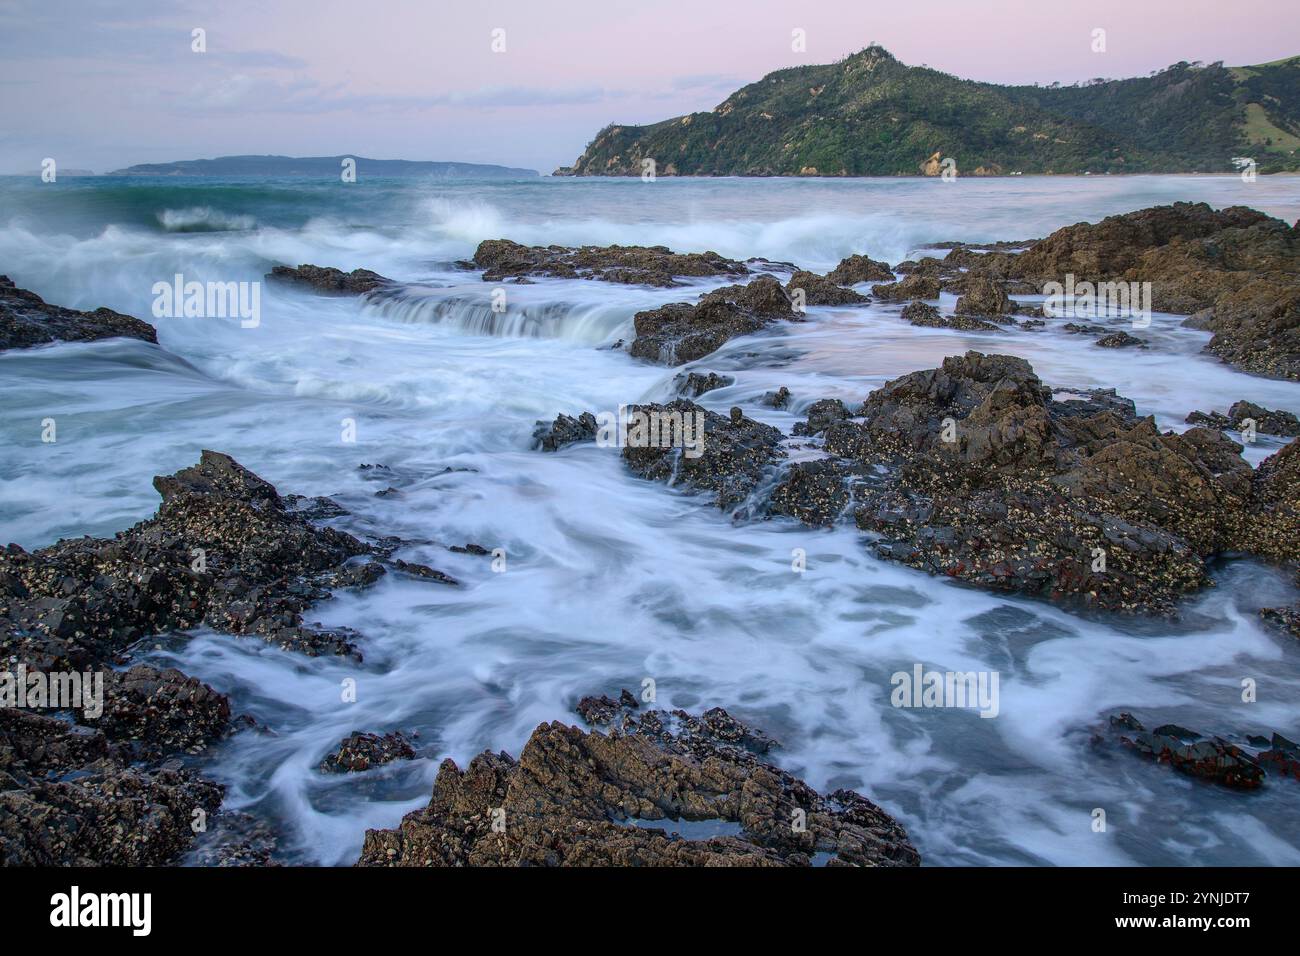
[(103, 84)]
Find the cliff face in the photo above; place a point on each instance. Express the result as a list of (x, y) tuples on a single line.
[(870, 115)]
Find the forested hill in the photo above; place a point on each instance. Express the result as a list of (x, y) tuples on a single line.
[(870, 115)]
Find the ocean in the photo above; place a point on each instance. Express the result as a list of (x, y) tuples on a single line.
[(610, 580)]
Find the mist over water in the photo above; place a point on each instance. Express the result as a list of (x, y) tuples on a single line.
[(610, 579)]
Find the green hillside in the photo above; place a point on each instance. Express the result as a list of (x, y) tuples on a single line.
[(870, 115)]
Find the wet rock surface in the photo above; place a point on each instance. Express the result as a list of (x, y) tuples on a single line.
[(924, 315), (1240, 413), (26, 320), (564, 431), (736, 452), (360, 751), (630, 265), (976, 472), (1237, 269), (679, 332), (820, 290), (1247, 765), (611, 797), (695, 384), (329, 280), (857, 269), (109, 785)]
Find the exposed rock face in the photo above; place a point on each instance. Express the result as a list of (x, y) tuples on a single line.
[(915, 286), (924, 315), (1266, 422), (584, 798), (564, 431), (631, 265), (984, 297), (109, 788), (856, 269), (695, 384), (820, 290), (1257, 327), (972, 470), (735, 454), (329, 280), (1212, 759), (680, 332), (1120, 340), (70, 796), (223, 550), (822, 415), (26, 320), (360, 751), (1236, 267)]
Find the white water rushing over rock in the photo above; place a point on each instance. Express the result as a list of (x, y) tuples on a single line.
[(610, 579)]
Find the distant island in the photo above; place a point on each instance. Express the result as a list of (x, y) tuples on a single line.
[(323, 166), (870, 115)]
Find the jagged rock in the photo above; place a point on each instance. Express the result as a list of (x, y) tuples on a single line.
[(329, 280), (631, 265), (984, 297), (1120, 340), (820, 290), (924, 315), (565, 430), (695, 384), (734, 455), (26, 320), (1266, 422), (360, 751), (858, 269), (915, 286), (680, 332), (778, 399), (974, 471), (582, 798), (822, 414)]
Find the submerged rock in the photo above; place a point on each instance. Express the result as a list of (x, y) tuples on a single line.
[(695, 384), (584, 798), (1266, 422), (1120, 340), (630, 265), (329, 280), (564, 431), (26, 320), (360, 751), (1212, 759)]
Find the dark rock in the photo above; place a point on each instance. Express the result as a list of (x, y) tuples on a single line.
[(572, 797), (1266, 422), (26, 320), (1120, 340), (819, 290), (984, 297), (822, 415), (565, 430), (695, 384), (424, 571), (736, 452), (361, 751), (679, 332), (329, 280), (858, 269), (915, 286), (778, 399), (630, 265)]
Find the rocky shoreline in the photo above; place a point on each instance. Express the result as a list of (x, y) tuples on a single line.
[(976, 471)]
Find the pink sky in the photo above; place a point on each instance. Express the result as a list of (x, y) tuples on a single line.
[(103, 84)]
